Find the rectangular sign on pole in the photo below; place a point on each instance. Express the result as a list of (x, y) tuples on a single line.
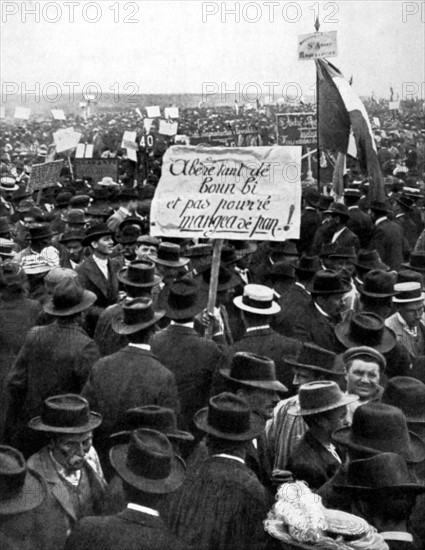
[(95, 169), (317, 45), (66, 139), (296, 129), (58, 114), (229, 193), (45, 175), (394, 105)]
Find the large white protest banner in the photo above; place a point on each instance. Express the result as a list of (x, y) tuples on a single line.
[(229, 193), (66, 139), (317, 45)]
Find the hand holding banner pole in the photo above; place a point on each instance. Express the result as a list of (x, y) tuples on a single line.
[(215, 267)]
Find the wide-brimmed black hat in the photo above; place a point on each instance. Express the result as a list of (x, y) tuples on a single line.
[(40, 231), (320, 396), (67, 413), (71, 236), (383, 472), (286, 248), (416, 262), (152, 417), (338, 209), (169, 254), (370, 259), (249, 369), (405, 201), (380, 428), (328, 282), (366, 329), (69, 298), (183, 299), (282, 270), (408, 394), (95, 232), (140, 274), (135, 316), (128, 235), (21, 489), (227, 279), (378, 284), (317, 359), (148, 462), (257, 299), (228, 416), (307, 265)]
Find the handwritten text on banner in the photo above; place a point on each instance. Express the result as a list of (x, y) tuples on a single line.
[(229, 193)]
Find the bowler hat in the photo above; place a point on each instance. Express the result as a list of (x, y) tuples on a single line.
[(140, 274), (71, 236), (148, 462), (257, 299), (416, 262), (366, 329), (40, 231), (229, 416), (69, 298), (408, 394), (152, 417), (169, 254), (383, 472), (363, 352), (80, 201), (21, 489), (67, 413), (63, 199), (135, 316), (369, 259), (307, 265), (198, 250), (317, 359), (227, 279), (183, 299), (320, 396), (75, 217), (325, 202), (338, 209), (95, 232), (380, 428), (253, 370), (328, 282), (378, 284), (408, 292)]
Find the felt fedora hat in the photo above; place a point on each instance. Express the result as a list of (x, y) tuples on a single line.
[(338, 209), (317, 359), (21, 489), (368, 260), (385, 472), (380, 428), (227, 279), (408, 292), (135, 316), (408, 394), (319, 397), (71, 236), (95, 232), (366, 329), (69, 414), (148, 462), (139, 274), (183, 299), (228, 416), (378, 284), (253, 370), (328, 282), (199, 250), (76, 217), (169, 254), (416, 262), (40, 231), (58, 274), (69, 298), (307, 265), (257, 299), (152, 417)]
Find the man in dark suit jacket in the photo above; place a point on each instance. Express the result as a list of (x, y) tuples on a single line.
[(359, 222), (342, 236), (387, 238), (310, 221), (150, 471), (190, 357), (132, 377), (54, 359)]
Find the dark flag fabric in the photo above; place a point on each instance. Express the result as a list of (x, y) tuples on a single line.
[(344, 124)]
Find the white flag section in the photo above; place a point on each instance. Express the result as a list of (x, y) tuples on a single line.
[(229, 193)]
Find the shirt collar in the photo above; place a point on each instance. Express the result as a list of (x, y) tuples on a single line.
[(146, 347), (352, 207), (73, 477), (224, 455), (397, 535), (142, 509), (124, 210), (337, 234), (321, 310), (380, 220), (191, 324), (262, 327)]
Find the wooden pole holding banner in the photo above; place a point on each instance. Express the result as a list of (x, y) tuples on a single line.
[(212, 294), (317, 27)]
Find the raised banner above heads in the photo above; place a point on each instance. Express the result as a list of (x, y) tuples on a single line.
[(171, 112), (2, 112), (129, 143), (168, 128), (229, 193), (95, 169), (317, 45), (153, 111), (84, 150), (394, 105), (45, 175), (58, 114), (23, 113), (66, 139), (296, 129)]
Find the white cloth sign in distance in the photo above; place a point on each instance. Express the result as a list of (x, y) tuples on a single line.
[(229, 193), (66, 139), (22, 113), (317, 45)]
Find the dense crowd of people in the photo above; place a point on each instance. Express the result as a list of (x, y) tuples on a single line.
[(133, 417)]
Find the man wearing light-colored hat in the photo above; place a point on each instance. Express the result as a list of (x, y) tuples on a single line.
[(407, 322)]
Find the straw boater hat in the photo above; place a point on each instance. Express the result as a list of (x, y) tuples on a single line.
[(6, 248), (22, 489), (169, 254), (319, 397), (183, 299), (366, 329), (255, 371), (32, 266), (408, 292), (257, 299), (69, 298), (8, 183), (68, 414), (228, 416), (135, 316), (314, 358), (108, 182), (408, 394), (148, 462), (140, 274)]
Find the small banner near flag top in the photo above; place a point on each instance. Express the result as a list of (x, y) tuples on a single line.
[(22, 113), (317, 45), (153, 111), (229, 193), (58, 114)]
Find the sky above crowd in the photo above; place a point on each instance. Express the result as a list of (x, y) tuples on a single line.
[(194, 46)]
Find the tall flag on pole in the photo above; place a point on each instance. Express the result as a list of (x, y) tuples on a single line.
[(341, 111)]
